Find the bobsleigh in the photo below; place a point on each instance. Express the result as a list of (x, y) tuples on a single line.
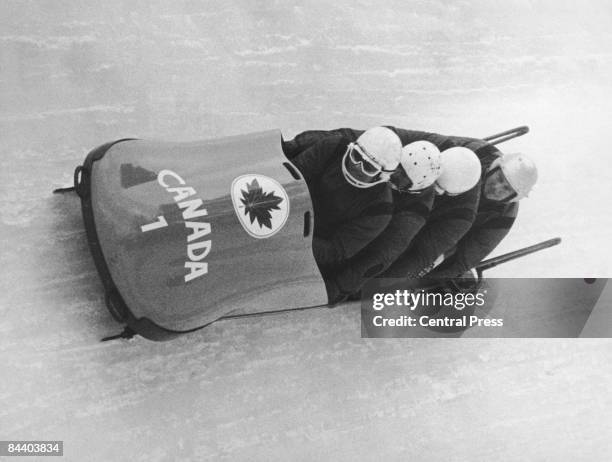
[(183, 234)]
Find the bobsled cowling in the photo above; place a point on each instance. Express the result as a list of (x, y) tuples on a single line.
[(185, 233)]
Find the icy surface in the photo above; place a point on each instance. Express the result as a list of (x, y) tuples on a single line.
[(75, 74)]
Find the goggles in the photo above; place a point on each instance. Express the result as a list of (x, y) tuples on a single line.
[(502, 190), (369, 169), (359, 156)]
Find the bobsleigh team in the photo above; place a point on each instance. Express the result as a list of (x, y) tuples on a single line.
[(399, 203)]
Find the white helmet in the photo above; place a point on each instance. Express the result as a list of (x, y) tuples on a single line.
[(372, 158), (421, 162), (520, 172), (461, 171)]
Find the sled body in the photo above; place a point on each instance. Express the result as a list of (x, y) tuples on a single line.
[(185, 233)]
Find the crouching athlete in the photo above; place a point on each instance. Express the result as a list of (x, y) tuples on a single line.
[(505, 180), (475, 227), (348, 182)]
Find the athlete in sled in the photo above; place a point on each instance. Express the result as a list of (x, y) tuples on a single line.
[(474, 210), (425, 170)]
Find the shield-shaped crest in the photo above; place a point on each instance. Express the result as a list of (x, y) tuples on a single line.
[(261, 204)]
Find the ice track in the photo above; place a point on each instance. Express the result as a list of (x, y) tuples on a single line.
[(75, 74)]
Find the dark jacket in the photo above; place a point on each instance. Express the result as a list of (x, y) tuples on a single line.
[(450, 219), (410, 212), (346, 218), (305, 140), (492, 224)]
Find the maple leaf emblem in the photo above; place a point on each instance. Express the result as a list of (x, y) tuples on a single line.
[(257, 204)]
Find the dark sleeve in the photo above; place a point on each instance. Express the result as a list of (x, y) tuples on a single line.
[(307, 139), (410, 136), (439, 235), (478, 243), (351, 237), (408, 218), (443, 142), (313, 162)]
